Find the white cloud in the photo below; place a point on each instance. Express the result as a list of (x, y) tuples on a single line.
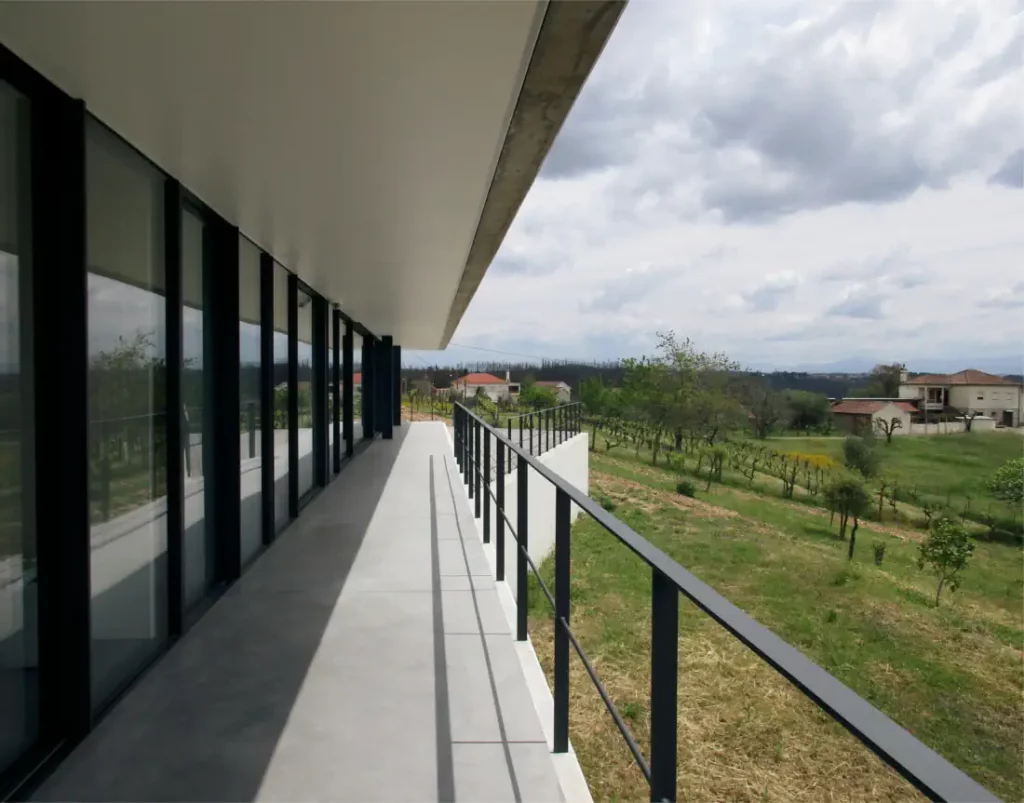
[(779, 179)]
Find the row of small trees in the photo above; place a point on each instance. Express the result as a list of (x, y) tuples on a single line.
[(684, 395)]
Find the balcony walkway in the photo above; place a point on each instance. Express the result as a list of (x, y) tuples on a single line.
[(365, 656)]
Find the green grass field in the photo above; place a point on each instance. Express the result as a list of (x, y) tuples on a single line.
[(951, 675), (954, 466)]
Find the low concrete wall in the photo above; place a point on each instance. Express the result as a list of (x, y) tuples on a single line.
[(940, 428), (951, 427), (571, 461)]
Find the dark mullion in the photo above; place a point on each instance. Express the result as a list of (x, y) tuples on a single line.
[(267, 392), (319, 395), (369, 399), (396, 378), (225, 424), (173, 313), (60, 336), (385, 380), (336, 388), (348, 389), (293, 395)]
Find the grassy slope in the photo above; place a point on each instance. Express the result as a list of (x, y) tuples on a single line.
[(951, 675), (937, 465)]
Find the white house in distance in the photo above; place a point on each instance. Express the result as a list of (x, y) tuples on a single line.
[(967, 391), (562, 390), (859, 415), (495, 388)]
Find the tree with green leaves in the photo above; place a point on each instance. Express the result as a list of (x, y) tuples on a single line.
[(765, 405), (860, 453), (946, 552), (594, 397), (716, 457), (693, 390), (883, 382), (538, 397), (1008, 482), (807, 410), (847, 496)]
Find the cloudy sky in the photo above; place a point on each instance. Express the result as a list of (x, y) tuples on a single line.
[(797, 182)]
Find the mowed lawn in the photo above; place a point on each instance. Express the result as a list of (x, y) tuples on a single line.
[(951, 675)]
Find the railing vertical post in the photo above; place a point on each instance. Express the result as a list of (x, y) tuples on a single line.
[(457, 431), (562, 554), (520, 432), (467, 451), (499, 513), (487, 485), (547, 430), (664, 679), (455, 437), (477, 469), (523, 538), (510, 429), (530, 430)]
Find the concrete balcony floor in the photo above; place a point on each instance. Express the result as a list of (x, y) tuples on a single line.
[(365, 656)]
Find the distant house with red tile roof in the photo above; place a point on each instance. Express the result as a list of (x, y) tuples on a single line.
[(494, 387), (562, 389), (860, 415), (967, 391)]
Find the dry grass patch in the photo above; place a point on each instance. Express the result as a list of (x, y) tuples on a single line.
[(745, 734)]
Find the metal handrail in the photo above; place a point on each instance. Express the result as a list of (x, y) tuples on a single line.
[(542, 410), (929, 772)]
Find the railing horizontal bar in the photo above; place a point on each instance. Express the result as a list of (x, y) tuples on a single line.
[(515, 537), (634, 748), (536, 572), (544, 410), (923, 767)]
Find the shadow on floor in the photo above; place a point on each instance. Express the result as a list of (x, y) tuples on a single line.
[(204, 723)]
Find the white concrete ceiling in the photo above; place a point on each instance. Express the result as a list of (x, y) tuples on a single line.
[(355, 141)]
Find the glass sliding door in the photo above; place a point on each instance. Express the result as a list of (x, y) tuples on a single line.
[(250, 412), (127, 411), (19, 625), (281, 397), (199, 559), (306, 390)]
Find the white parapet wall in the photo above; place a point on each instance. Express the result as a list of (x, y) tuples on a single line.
[(571, 461)]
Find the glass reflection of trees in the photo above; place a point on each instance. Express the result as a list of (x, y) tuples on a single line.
[(127, 427)]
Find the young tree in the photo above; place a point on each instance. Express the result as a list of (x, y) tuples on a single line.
[(889, 427), (593, 395), (946, 551), (860, 454), (538, 397), (692, 390), (765, 406), (969, 416), (847, 496), (716, 456), (1008, 482)]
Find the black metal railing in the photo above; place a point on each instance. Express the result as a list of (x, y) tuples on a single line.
[(920, 765), (539, 431)]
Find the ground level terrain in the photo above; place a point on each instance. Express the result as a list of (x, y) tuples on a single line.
[(951, 675)]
